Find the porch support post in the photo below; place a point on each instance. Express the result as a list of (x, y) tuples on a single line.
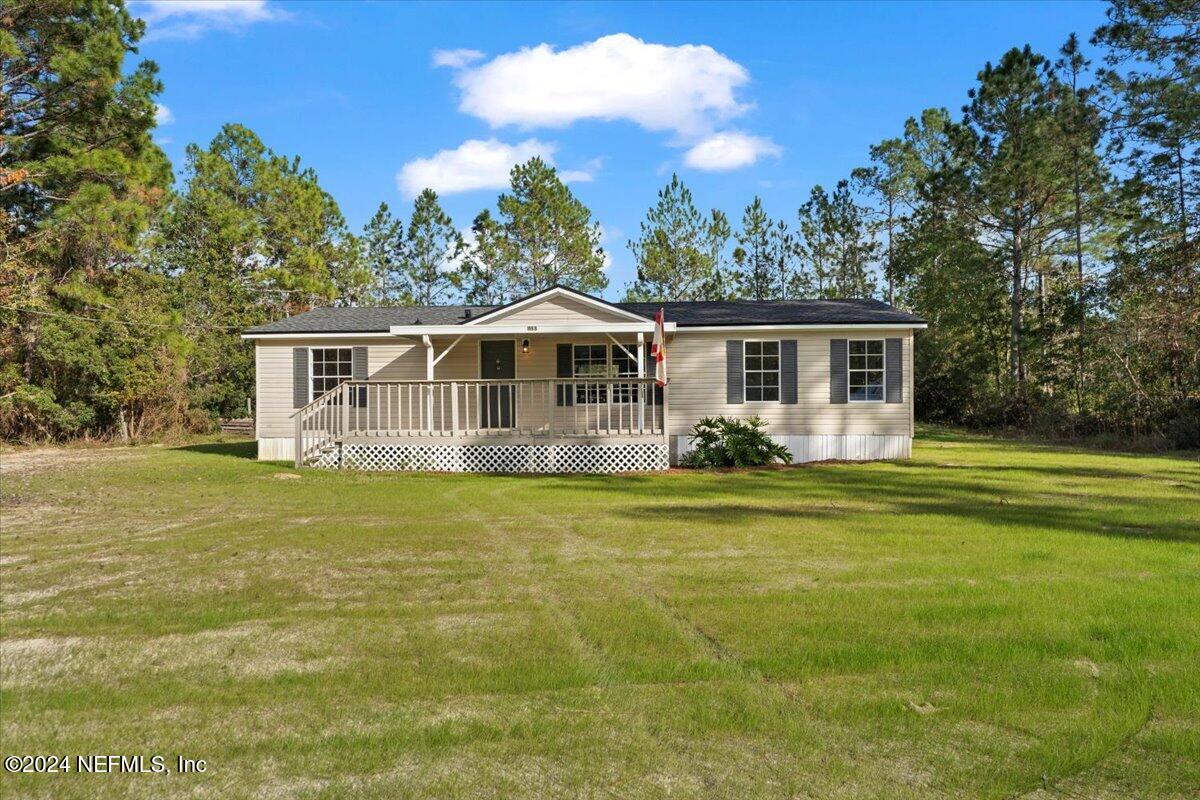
[(299, 439), (642, 388), (429, 360), (427, 389)]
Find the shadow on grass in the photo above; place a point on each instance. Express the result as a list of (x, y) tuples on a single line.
[(232, 449), (1000, 440), (978, 494), (728, 513)]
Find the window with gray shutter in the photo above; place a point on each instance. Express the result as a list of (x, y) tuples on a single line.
[(735, 390), (837, 371), (894, 366), (788, 394), (299, 377)]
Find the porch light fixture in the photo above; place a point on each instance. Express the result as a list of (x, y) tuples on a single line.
[(524, 345)]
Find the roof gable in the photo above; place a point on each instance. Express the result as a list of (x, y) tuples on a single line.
[(557, 304)]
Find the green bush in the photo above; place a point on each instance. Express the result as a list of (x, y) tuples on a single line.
[(725, 442)]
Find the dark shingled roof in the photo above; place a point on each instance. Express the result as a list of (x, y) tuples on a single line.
[(774, 312), (683, 314)]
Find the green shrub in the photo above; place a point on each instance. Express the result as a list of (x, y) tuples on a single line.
[(725, 442)]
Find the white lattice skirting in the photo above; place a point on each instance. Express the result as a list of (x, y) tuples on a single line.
[(497, 458)]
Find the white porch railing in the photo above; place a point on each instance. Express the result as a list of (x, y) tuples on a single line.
[(539, 409)]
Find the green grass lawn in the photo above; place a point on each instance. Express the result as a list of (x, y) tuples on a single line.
[(987, 620)]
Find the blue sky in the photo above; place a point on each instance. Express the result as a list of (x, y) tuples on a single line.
[(740, 99)]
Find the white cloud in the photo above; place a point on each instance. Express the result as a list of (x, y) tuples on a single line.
[(162, 115), (585, 174), (576, 176), (686, 89), (729, 150), (189, 19), (477, 164), (455, 59), (474, 164)]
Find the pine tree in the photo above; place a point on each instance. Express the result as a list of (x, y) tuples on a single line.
[(430, 247), (485, 281), (852, 244), (762, 256), (678, 251), (252, 237), (382, 239), (720, 284), (891, 181), (814, 244), (546, 235), (1152, 76), (1081, 128), (1018, 182), (80, 180)]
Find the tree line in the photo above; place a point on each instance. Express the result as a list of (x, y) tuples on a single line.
[(1047, 231)]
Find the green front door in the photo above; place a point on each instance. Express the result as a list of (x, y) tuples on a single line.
[(497, 404)]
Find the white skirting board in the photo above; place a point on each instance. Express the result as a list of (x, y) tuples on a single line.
[(278, 449), (827, 446), (804, 447)]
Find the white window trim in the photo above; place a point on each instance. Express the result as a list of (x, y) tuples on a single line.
[(608, 364), (883, 398), (778, 371), (311, 362)]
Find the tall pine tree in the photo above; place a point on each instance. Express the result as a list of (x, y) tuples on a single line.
[(679, 250), (545, 235)]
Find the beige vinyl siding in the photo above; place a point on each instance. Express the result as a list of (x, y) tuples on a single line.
[(387, 359), (556, 311), (696, 363)]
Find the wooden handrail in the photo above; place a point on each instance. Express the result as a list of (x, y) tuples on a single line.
[(478, 409)]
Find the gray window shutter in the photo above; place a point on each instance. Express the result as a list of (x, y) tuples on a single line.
[(787, 372), (838, 379), (735, 375), (358, 363), (566, 368), (300, 385), (358, 372), (893, 365), (787, 390)]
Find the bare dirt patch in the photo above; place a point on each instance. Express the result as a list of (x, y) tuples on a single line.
[(45, 459)]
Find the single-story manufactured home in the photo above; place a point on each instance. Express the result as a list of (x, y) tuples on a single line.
[(561, 381)]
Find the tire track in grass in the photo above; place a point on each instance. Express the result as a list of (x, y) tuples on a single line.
[(1055, 784), (776, 695)]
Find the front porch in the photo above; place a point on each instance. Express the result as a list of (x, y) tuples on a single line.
[(487, 425)]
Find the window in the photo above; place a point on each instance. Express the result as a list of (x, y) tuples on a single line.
[(762, 371), (599, 362), (330, 367), (624, 367), (866, 370)]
